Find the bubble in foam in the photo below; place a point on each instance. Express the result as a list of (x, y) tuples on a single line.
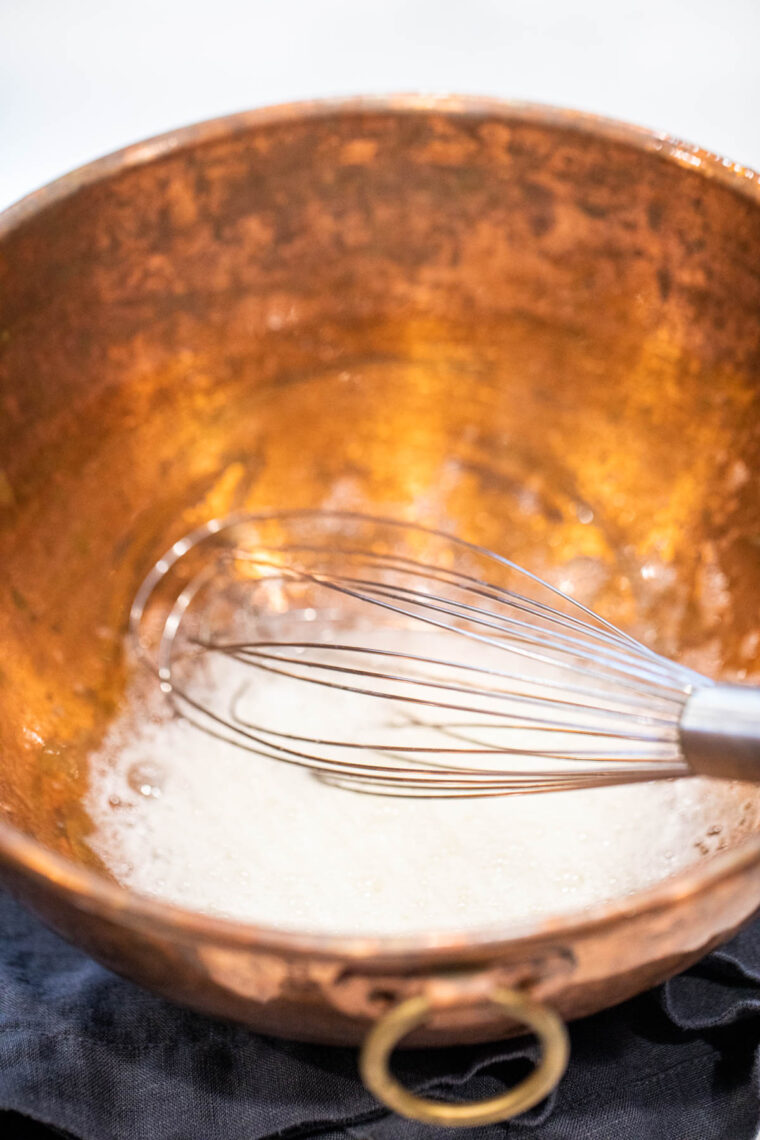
[(147, 779)]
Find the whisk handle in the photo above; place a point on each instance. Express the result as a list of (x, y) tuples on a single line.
[(720, 732)]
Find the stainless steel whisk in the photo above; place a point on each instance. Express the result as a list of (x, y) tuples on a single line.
[(386, 658)]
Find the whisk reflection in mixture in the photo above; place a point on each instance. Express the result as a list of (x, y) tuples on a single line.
[(386, 658)]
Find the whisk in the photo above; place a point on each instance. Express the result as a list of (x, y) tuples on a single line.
[(390, 658)]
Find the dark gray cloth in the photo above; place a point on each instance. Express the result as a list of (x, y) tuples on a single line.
[(92, 1055)]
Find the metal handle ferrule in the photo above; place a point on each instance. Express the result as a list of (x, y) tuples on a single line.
[(720, 732)]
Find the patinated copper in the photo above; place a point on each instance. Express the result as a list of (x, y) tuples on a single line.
[(537, 329)]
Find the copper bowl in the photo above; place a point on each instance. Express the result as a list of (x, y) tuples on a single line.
[(350, 301)]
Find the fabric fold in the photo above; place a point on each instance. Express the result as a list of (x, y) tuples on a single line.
[(89, 1053)]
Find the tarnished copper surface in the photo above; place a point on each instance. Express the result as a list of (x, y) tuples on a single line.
[(538, 330)]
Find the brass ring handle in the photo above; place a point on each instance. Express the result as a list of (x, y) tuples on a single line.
[(385, 1035)]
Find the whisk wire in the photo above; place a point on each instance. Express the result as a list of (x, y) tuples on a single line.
[(522, 681), (531, 636), (253, 654)]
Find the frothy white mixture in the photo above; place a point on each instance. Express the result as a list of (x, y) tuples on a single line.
[(195, 820)]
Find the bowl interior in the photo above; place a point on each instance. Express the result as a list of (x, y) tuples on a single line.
[(536, 337)]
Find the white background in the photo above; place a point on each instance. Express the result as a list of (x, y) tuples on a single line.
[(81, 77)]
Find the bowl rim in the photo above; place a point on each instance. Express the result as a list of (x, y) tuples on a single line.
[(92, 892), (735, 175)]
